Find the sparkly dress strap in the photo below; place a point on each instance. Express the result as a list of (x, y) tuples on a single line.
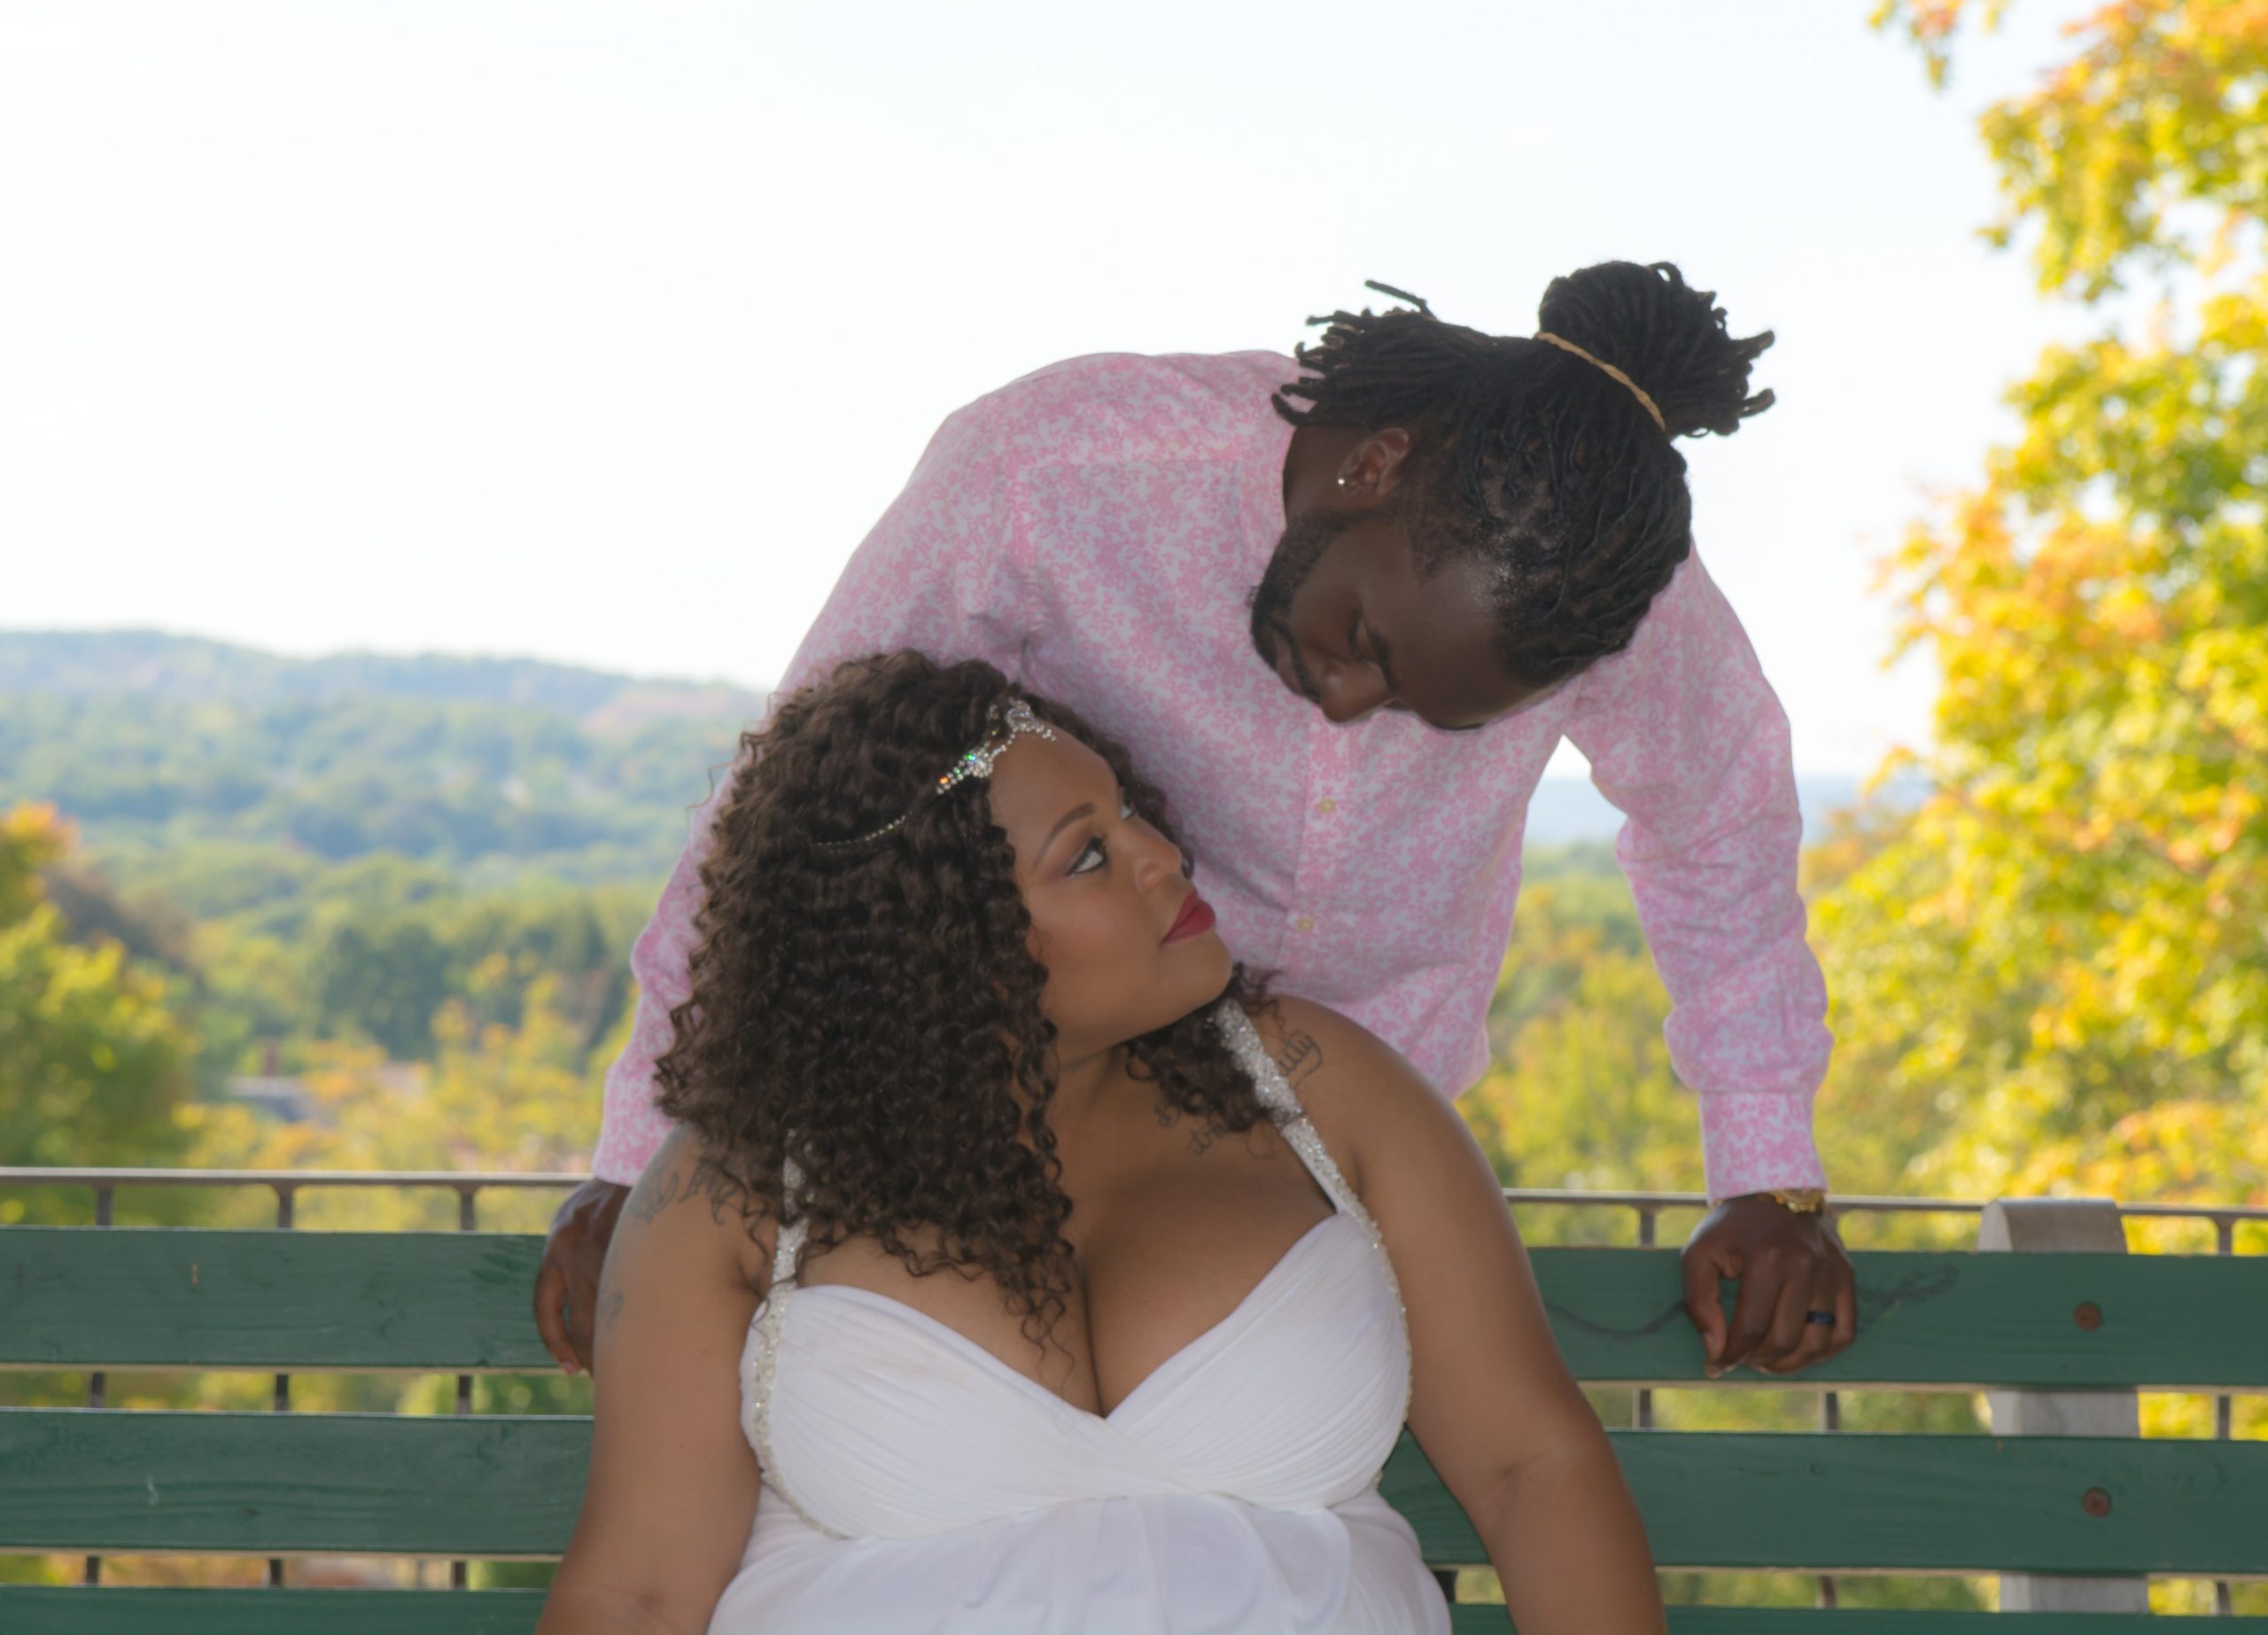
[(1277, 1095), (791, 1238), (763, 1365)]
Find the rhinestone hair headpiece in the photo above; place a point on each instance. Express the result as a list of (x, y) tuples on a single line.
[(1006, 726)]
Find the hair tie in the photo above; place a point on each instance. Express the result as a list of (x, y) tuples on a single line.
[(1636, 389)]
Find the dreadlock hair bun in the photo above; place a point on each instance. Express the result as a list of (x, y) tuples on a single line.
[(1537, 464), (1668, 337)]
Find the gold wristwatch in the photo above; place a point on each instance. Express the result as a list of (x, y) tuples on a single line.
[(1803, 1200)]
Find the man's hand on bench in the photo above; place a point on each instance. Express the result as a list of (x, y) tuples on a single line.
[(567, 1285), (1789, 1265)]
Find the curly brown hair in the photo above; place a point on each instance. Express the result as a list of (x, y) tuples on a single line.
[(874, 1010)]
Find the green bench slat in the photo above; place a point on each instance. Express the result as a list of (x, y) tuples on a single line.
[(290, 1484), (2186, 1322), (129, 1297), (159, 1297), (26, 1609), (1827, 1502), (500, 1486), (42, 1610), (1879, 1621), (1876, 1621)]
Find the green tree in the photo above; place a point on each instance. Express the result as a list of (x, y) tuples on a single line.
[(94, 1065), (521, 1097), (383, 978), (1581, 1095)]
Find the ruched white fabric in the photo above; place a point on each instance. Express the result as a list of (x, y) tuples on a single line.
[(915, 1485)]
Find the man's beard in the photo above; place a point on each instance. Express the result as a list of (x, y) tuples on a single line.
[(1305, 540)]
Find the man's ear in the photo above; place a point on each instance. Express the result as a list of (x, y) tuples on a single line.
[(1374, 467)]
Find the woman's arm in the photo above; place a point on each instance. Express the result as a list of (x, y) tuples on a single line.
[(671, 1492), (1492, 1402)]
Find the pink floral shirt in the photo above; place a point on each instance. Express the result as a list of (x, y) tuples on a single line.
[(1093, 529)]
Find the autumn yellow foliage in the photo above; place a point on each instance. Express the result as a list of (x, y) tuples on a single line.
[(2050, 977)]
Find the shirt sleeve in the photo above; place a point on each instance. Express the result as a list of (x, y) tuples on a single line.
[(941, 572), (1688, 739)]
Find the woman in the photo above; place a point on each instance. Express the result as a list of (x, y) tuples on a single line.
[(1015, 1266)]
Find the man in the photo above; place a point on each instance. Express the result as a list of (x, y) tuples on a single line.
[(1346, 637)]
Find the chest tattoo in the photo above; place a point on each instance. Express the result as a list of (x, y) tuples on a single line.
[(1201, 1140)]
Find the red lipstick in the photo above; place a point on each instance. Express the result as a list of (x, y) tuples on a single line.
[(1194, 920)]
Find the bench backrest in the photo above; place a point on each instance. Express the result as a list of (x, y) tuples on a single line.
[(499, 1486)]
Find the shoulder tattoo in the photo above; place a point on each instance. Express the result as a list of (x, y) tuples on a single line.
[(1299, 1056), (682, 1182)]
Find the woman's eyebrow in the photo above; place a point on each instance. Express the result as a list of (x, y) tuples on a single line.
[(1087, 810)]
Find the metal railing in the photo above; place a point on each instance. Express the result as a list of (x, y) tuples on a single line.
[(1645, 1208)]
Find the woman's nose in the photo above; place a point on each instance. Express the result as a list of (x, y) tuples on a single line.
[(1159, 858)]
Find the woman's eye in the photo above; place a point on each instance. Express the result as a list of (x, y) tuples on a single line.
[(1096, 854)]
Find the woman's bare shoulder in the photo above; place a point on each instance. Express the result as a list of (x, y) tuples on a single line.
[(688, 1198)]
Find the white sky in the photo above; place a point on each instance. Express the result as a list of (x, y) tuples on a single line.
[(602, 333)]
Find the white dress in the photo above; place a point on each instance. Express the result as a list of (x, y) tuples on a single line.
[(915, 1482)]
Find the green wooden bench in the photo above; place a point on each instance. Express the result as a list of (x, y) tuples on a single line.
[(103, 1481)]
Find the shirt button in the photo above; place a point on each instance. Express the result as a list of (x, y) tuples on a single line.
[(1303, 923), (1326, 805)]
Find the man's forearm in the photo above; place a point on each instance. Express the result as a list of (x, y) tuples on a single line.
[(1566, 1538), (1686, 736)]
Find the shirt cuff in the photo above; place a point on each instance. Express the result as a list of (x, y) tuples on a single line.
[(1757, 1142)]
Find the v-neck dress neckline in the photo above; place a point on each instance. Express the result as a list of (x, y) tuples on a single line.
[(887, 1436)]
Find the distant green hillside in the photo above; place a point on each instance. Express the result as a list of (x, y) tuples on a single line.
[(168, 750), (148, 662), (231, 781)]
